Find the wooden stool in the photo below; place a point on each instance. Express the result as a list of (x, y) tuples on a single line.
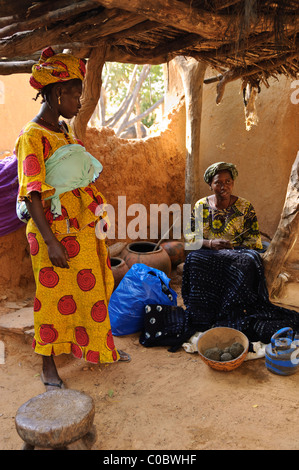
[(57, 419)]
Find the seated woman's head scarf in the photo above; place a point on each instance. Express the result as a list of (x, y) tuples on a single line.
[(212, 170), (53, 68)]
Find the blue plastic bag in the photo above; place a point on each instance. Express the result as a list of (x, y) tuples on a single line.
[(140, 286)]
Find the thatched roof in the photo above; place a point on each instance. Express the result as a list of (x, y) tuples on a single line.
[(239, 38)]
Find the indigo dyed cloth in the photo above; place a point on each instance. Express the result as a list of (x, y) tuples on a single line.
[(228, 288)]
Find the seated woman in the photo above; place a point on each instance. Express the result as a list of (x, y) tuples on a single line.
[(228, 220), (223, 281)]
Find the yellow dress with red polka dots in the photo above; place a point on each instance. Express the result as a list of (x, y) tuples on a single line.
[(71, 305)]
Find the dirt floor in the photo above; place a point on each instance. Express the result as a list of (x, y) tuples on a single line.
[(161, 400)]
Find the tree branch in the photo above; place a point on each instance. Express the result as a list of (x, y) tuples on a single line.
[(91, 92), (145, 71), (126, 101), (144, 114)]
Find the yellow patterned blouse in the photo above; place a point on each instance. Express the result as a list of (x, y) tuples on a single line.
[(238, 223)]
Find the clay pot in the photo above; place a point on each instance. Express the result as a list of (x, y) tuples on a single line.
[(143, 252), (119, 269), (175, 251)]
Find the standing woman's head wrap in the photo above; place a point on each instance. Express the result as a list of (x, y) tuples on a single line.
[(53, 68), (212, 170)]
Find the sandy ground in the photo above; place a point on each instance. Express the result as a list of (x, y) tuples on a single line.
[(162, 400)]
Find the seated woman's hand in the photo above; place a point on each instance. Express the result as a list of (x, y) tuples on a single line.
[(220, 244)]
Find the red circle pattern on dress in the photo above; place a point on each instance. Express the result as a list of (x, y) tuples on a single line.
[(64, 214), (86, 279), (93, 356), (99, 311), (31, 166), (49, 216), (110, 341), (99, 199), (37, 305), (67, 305), (114, 355), (46, 147), (48, 277), (81, 336), (33, 243), (34, 186), (48, 333), (76, 192), (72, 246), (89, 191), (74, 223), (93, 206), (77, 351)]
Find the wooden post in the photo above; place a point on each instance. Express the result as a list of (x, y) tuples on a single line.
[(192, 74), (91, 91), (287, 231)]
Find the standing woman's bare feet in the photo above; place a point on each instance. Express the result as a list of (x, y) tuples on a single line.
[(49, 375)]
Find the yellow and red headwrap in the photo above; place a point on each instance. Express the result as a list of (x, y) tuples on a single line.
[(53, 68)]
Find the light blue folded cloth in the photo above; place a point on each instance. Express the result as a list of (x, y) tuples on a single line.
[(70, 167)]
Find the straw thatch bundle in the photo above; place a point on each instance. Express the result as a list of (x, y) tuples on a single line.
[(255, 39)]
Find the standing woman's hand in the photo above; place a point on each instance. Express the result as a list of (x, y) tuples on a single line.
[(57, 252)]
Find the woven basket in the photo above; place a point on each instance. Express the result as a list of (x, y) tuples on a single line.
[(222, 337)]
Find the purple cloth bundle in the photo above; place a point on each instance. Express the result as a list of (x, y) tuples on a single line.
[(9, 185)]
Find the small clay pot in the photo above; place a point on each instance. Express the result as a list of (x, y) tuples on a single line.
[(143, 252), (175, 251), (119, 269)]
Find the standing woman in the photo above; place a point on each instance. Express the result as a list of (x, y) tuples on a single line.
[(58, 197)]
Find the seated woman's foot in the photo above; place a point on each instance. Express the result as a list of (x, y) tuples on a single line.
[(123, 356)]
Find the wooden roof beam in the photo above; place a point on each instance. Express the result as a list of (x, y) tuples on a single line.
[(8, 68), (142, 27), (30, 8), (169, 49), (48, 18), (185, 17), (103, 24)]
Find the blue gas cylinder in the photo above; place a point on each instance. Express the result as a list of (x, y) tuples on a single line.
[(282, 353)]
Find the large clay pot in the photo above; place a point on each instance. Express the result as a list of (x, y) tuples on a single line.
[(119, 269), (175, 251), (143, 252)]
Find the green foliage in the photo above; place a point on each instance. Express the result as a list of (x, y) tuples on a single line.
[(116, 79)]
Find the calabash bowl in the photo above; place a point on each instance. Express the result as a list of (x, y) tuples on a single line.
[(222, 337)]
